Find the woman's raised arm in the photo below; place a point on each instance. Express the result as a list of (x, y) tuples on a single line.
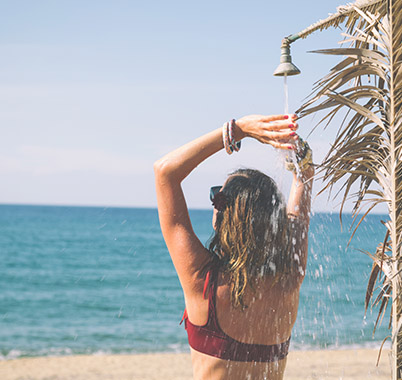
[(187, 252), (298, 209)]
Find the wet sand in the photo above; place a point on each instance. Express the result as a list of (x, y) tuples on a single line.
[(309, 365)]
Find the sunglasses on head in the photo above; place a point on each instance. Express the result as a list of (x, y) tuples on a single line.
[(213, 191)]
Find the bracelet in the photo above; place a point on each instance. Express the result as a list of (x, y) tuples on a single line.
[(304, 158), (230, 144), (226, 141), (235, 145)]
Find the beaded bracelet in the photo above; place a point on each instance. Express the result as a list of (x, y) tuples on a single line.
[(236, 145), (230, 144)]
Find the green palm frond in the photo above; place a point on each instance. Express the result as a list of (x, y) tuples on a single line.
[(366, 156)]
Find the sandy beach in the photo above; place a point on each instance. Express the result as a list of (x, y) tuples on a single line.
[(309, 365)]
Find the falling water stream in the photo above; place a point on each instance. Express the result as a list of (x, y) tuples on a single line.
[(285, 84), (285, 154), (327, 320)]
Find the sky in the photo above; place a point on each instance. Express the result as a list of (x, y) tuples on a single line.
[(93, 92)]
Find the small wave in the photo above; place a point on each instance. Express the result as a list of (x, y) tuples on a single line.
[(339, 347), (176, 348), (16, 354), (67, 351)]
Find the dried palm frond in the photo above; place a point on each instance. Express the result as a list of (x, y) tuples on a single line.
[(366, 156), (345, 13)]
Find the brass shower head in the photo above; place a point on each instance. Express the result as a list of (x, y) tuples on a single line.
[(286, 67)]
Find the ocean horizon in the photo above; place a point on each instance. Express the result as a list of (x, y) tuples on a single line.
[(91, 280)]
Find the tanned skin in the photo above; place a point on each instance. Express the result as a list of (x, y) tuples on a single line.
[(272, 307)]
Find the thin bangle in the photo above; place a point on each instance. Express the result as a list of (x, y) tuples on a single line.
[(235, 145), (225, 137)]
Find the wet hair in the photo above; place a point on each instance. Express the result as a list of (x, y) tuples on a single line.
[(252, 232)]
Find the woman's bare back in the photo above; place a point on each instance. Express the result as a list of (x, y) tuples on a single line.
[(267, 320)]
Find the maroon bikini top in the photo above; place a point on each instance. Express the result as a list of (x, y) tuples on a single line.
[(211, 340)]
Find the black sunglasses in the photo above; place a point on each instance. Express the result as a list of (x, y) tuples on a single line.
[(213, 191)]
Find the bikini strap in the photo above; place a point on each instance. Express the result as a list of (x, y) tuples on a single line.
[(184, 317)]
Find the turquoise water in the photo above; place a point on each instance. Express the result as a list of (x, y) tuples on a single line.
[(99, 280)]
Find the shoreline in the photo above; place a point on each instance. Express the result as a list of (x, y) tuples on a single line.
[(66, 352), (297, 352), (356, 364)]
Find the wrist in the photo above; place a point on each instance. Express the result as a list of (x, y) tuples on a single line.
[(302, 159), (238, 131)]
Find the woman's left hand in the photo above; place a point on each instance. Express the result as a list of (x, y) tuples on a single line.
[(276, 130)]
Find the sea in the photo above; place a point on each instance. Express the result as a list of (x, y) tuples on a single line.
[(93, 280)]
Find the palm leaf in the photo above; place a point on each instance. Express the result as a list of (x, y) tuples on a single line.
[(345, 13), (365, 159)]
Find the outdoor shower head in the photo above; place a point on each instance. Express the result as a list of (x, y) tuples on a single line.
[(286, 67)]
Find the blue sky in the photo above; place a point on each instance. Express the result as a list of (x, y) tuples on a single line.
[(93, 92)]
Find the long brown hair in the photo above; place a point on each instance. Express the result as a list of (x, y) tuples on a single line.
[(251, 232)]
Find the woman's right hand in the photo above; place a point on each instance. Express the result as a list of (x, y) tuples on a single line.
[(276, 130)]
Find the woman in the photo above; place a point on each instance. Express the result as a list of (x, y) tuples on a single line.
[(242, 293)]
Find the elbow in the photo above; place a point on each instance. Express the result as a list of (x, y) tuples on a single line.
[(163, 168), (159, 167)]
